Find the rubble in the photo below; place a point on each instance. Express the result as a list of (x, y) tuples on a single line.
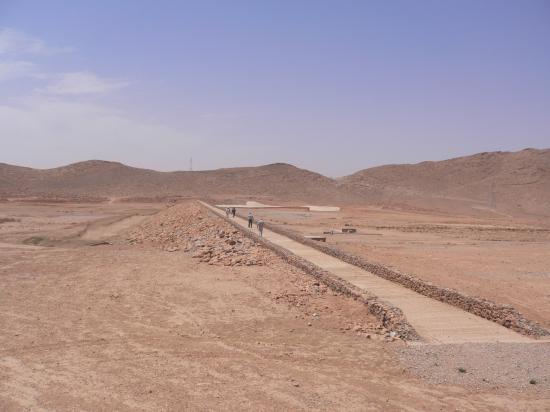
[(189, 228)]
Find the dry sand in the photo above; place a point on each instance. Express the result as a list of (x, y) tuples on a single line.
[(134, 327)]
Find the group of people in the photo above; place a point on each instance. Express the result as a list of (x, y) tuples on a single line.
[(259, 223), (231, 211)]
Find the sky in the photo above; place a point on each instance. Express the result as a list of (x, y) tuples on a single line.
[(331, 86)]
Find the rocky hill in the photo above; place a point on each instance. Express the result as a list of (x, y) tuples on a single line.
[(504, 182), (114, 180)]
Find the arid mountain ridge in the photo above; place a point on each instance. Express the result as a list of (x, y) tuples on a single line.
[(97, 178), (507, 182), (503, 182)]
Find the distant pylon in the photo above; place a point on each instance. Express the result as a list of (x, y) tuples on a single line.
[(190, 164)]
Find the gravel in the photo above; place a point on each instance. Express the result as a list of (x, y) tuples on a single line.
[(495, 365)]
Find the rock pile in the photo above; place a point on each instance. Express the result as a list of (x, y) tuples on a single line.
[(189, 228)]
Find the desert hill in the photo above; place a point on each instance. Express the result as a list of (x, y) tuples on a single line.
[(506, 182), (97, 178)]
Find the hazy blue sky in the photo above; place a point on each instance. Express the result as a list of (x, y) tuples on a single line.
[(333, 86)]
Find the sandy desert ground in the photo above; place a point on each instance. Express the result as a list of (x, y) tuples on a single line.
[(138, 323)]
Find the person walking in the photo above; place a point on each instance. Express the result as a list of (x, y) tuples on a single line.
[(260, 226), (233, 211), (250, 219), (227, 210)]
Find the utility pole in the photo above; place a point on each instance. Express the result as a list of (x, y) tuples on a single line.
[(190, 164)]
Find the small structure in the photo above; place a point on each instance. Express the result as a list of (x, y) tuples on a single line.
[(313, 208), (317, 238), (349, 230), (257, 205)]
